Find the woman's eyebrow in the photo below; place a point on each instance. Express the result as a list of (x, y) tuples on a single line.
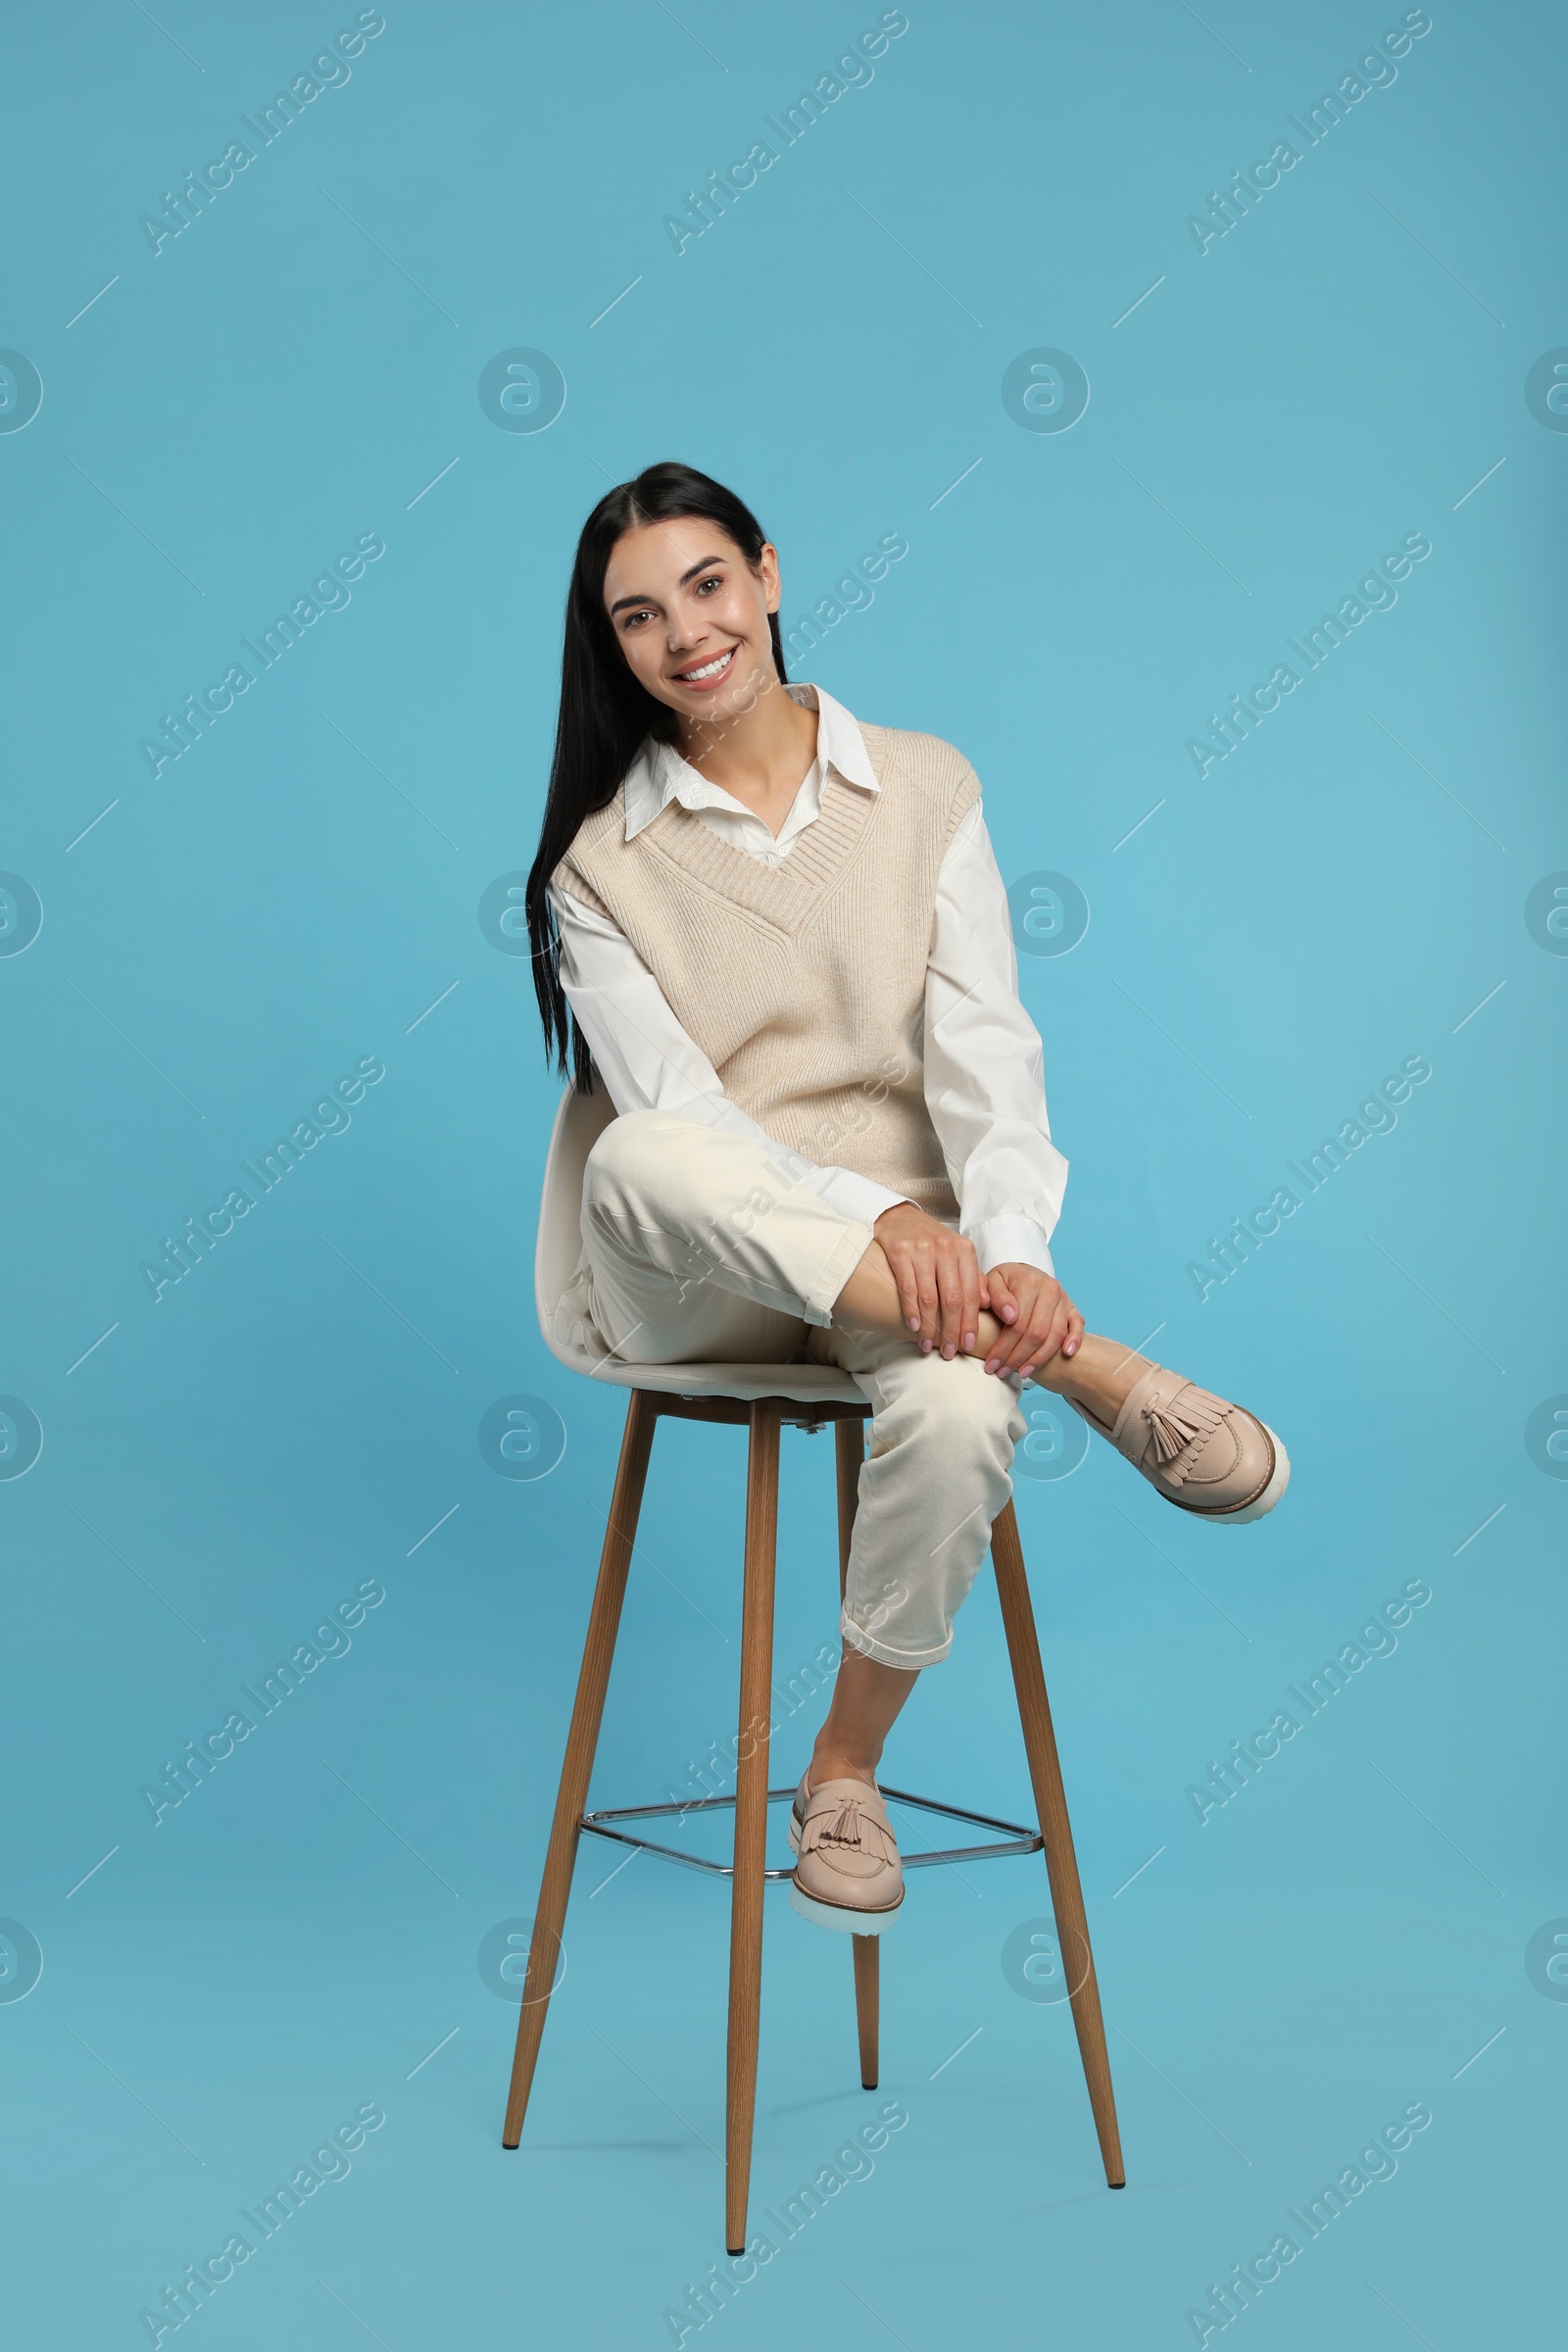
[(621, 603)]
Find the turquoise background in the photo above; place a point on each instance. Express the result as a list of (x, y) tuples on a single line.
[(221, 943)]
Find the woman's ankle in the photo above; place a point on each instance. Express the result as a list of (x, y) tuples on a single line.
[(833, 1765), (1102, 1375)]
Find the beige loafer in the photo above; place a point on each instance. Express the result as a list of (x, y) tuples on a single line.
[(1214, 1460), (848, 1874)]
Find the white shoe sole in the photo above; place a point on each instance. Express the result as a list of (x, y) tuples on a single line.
[(836, 1916), (841, 1917)]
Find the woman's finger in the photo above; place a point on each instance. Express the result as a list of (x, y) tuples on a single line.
[(1039, 1349), (926, 1268), (1026, 1353), (952, 1277), (1005, 1309), (943, 1270), (970, 1317), (1026, 1347), (901, 1263), (1056, 1334), (1012, 1348)]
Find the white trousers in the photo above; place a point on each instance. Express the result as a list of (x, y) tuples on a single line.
[(697, 1248)]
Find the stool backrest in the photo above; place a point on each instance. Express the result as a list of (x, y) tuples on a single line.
[(580, 1120)]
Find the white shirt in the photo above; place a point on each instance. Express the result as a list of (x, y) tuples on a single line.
[(984, 1068)]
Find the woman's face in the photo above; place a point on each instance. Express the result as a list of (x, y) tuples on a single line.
[(691, 617)]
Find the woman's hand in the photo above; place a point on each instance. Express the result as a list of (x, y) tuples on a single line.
[(941, 1288), (1039, 1317)]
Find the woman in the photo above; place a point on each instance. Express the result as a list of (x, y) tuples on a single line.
[(781, 939)]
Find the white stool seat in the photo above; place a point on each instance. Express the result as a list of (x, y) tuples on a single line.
[(580, 1120)]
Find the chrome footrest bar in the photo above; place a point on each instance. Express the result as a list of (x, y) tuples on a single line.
[(1013, 1837)]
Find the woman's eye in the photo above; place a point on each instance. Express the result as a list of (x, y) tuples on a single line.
[(713, 581)]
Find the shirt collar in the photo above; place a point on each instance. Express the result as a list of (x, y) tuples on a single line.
[(658, 775)]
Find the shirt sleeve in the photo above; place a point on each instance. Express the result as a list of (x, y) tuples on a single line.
[(648, 1061), (985, 1066)]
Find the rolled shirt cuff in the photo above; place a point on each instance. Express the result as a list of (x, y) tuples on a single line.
[(1010, 1240), (858, 1197)]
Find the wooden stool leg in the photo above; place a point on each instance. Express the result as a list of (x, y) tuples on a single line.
[(750, 1815), (1051, 1804), (849, 1440), (599, 1649), (849, 1451), (868, 1963)]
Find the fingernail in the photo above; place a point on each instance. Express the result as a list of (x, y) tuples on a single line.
[(926, 1347), (949, 1352), (991, 1363), (914, 1322), (969, 1343)]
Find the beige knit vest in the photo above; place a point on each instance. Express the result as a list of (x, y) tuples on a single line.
[(803, 983)]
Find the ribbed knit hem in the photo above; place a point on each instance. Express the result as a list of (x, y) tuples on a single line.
[(845, 1254), (913, 1661)]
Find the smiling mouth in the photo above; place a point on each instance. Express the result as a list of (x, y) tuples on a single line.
[(707, 674)]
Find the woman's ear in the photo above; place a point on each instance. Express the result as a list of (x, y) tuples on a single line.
[(767, 567)]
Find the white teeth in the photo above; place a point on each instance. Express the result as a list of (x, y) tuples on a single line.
[(708, 669)]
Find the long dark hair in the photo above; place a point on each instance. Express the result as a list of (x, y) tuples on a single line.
[(605, 713)]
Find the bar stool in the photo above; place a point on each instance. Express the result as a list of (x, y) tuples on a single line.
[(763, 1398)]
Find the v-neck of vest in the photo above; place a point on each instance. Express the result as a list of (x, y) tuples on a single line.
[(785, 894)]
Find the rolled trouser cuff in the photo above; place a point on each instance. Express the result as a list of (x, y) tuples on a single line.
[(912, 1661), (842, 1260)]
